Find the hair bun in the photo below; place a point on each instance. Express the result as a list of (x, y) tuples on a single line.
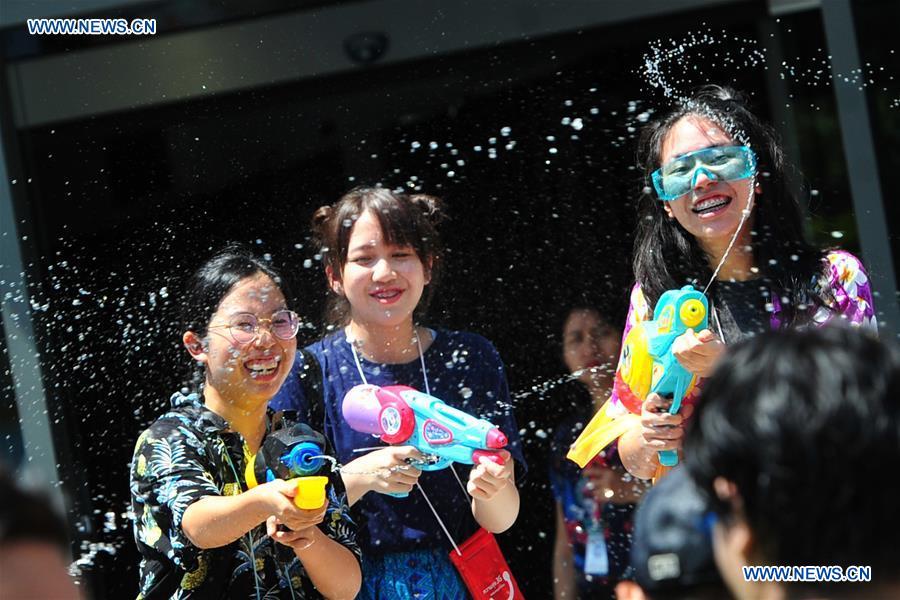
[(431, 206), (321, 218)]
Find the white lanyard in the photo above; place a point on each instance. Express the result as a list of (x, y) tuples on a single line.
[(362, 376), (421, 361)]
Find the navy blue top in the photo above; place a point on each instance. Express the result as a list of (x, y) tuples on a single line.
[(465, 371)]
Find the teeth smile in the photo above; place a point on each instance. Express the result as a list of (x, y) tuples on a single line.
[(263, 366), (386, 294), (710, 204)]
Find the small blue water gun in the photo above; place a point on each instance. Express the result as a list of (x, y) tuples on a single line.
[(399, 414), (292, 452), (676, 312)]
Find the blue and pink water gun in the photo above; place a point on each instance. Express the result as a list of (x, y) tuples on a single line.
[(398, 414)]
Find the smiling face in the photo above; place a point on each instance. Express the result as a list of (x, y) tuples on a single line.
[(382, 282), (252, 372), (588, 343), (711, 211)]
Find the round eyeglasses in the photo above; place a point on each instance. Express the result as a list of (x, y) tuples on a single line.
[(244, 327)]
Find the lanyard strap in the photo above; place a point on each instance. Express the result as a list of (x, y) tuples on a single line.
[(285, 569), (362, 376), (249, 534)]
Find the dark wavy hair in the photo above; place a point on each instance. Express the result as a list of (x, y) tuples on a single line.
[(805, 423), (666, 256), (405, 219)]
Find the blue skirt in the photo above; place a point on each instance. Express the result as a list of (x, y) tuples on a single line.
[(420, 575)]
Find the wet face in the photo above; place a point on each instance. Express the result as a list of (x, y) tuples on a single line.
[(711, 211), (252, 372), (588, 344), (383, 282)]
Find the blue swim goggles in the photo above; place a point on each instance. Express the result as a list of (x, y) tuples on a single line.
[(724, 163)]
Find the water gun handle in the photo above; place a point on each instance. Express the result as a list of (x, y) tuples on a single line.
[(669, 458)]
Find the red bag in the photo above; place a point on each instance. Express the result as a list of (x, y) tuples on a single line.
[(483, 568)]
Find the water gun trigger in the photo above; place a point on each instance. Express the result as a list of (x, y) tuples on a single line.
[(427, 460), (494, 457)]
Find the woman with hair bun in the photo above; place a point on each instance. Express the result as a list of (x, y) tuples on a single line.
[(382, 258)]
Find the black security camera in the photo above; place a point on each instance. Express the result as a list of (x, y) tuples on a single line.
[(366, 47)]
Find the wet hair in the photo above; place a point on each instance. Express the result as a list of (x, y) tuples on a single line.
[(405, 220), (667, 256), (806, 424), (212, 281)]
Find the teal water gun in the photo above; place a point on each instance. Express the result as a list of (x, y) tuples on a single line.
[(675, 313)]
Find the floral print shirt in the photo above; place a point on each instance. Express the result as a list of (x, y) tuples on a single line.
[(851, 299), (185, 455)]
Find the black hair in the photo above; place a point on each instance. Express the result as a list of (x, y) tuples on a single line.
[(212, 281), (806, 424), (666, 256), (405, 219), (27, 516)]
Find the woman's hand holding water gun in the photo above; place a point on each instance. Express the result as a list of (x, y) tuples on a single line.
[(277, 500), (332, 568), (495, 499), (386, 471), (304, 532), (487, 477), (659, 430), (698, 352)]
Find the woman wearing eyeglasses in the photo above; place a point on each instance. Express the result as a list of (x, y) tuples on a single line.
[(718, 209), (200, 531)]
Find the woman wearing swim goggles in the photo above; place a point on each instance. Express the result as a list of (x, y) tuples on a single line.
[(713, 222), (725, 163)]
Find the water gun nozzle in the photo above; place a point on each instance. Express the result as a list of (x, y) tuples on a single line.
[(496, 439)]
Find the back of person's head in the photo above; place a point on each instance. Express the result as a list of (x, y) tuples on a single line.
[(671, 548), (667, 256), (405, 220), (797, 435), (32, 546), (27, 516)]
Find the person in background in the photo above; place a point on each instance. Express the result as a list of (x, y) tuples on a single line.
[(33, 547), (594, 506)]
